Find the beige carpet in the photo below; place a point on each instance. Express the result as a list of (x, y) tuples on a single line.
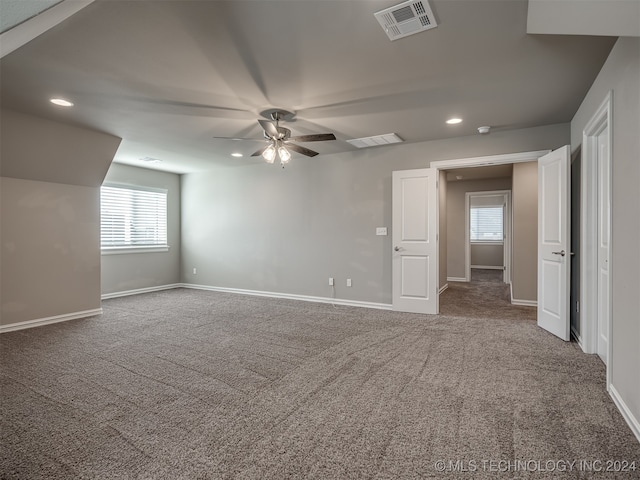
[(486, 296), (187, 384)]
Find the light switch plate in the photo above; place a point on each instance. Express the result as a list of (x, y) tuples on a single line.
[(381, 230)]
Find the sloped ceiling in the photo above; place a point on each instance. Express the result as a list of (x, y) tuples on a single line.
[(168, 76), (14, 12), (592, 17)]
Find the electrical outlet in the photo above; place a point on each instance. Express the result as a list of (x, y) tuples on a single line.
[(331, 281), (195, 272), (348, 282)]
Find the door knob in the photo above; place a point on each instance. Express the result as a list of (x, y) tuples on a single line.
[(561, 253), (397, 249)]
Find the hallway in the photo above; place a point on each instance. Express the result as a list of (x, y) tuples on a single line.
[(485, 296)]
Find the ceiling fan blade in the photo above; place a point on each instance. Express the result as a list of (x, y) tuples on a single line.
[(317, 137), (260, 152), (270, 128), (240, 138), (300, 149)]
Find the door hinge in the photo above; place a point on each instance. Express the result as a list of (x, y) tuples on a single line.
[(577, 306)]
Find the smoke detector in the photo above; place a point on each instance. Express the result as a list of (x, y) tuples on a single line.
[(406, 19), (484, 130)]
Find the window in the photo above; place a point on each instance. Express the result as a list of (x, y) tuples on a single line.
[(133, 219), (486, 224)]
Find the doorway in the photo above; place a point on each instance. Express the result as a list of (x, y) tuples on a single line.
[(430, 261), (595, 289), (488, 233), (507, 160)]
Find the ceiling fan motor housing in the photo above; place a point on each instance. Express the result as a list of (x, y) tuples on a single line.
[(278, 114)]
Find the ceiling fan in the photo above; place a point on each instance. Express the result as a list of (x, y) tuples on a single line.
[(279, 139)]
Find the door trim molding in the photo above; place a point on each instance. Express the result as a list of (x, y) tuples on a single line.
[(489, 160), (601, 119)]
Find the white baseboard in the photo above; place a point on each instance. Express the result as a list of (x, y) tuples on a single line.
[(456, 279), (487, 267), (443, 288), (631, 420), (137, 291), (517, 301), (38, 322), (524, 303), (291, 296)]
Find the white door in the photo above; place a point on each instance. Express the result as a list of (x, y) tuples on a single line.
[(415, 245), (604, 235), (553, 242)]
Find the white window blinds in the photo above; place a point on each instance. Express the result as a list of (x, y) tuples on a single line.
[(132, 217), (486, 224)]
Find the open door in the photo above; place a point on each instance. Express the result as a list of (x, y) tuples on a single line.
[(414, 232), (554, 227)]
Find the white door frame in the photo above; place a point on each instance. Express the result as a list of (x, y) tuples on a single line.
[(589, 233), (489, 160), (506, 227)]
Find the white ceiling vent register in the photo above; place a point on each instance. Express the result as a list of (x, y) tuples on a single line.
[(375, 141), (406, 19)]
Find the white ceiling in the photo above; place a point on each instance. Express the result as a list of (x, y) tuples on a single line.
[(168, 76)]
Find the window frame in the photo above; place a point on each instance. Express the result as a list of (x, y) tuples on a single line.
[(127, 249), (488, 241)]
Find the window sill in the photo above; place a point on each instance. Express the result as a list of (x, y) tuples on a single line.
[(129, 249), (487, 243)]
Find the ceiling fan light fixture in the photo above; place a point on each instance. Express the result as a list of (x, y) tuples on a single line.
[(284, 154), (269, 154)]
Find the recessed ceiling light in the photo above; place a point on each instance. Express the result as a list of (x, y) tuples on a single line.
[(454, 121), (61, 102), (236, 154), (150, 160)]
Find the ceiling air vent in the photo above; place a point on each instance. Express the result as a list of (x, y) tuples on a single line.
[(375, 141), (406, 18)]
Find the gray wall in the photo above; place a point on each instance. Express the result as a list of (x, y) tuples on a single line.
[(442, 241), (487, 255), (50, 255), (263, 228), (456, 218), (621, 75), (130, 271), (524, 254), (49, 231)]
